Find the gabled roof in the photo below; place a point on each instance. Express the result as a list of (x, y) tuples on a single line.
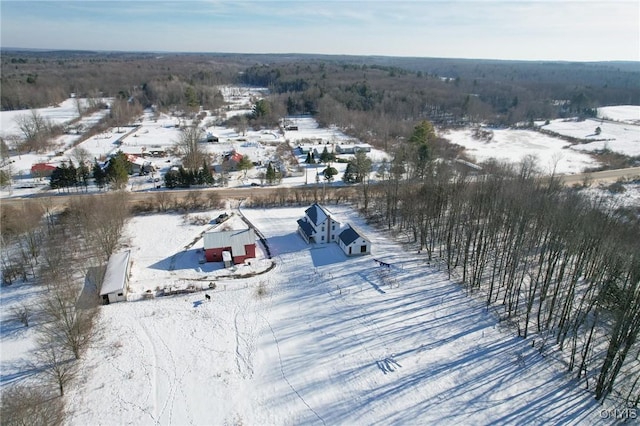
[(115, 276), (42, 167), (235, 239), (316, 213), (306, 227), (350, 234)]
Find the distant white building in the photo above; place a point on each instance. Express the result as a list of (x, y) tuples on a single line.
[(352, 148), (116, 278)]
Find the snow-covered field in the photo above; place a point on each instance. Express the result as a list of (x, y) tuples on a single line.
[(512, 146), (624, 113), (334, 340), (619, 130)]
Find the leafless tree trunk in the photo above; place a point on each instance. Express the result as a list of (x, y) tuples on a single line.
[(24, 405)]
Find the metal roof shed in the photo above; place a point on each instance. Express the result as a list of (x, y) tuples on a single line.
[(116, 277)]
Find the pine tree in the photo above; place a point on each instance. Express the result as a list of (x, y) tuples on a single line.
[(171, 179), (99, 175), (118, 170), (71, 175), (271, 174), (350, 173), (83, 175)]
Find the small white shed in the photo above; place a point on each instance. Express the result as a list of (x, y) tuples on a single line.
[(353, 242), (116, 278)]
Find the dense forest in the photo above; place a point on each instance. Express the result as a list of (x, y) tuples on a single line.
[(556, 265)]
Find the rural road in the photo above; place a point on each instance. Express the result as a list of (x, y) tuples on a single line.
[(52, 199), (607, 176)]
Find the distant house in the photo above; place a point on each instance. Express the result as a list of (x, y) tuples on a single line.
[(232, 160), (116, 278), (42, 169), (317, 225), (241, 245), (353, 242), (352, 148)]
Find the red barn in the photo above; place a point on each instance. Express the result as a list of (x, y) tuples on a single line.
[(240, 243), (42, 169)]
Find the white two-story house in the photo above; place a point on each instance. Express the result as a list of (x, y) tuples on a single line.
[(317, 225)]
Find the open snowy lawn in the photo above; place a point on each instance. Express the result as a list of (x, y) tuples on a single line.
[(625, 113), (334, 340), (511, 146), (620, 137)]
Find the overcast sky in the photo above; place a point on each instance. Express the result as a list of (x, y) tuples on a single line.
[(516, 29)]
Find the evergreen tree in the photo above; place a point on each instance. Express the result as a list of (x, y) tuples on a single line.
[(329, 173), (350, 173), (309, 159), (56, 180), (71, 175), (261, 108), (118, 170), (186, 178), (83, 175), (270, 175), (205, 174), (171, 179), (245, 164), (99, 175), (326, 156)]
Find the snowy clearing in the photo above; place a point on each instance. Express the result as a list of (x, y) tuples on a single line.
[(625, 113), (334, 340), (622, 137), (512, 146)]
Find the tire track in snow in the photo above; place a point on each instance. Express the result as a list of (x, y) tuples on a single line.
[(284, 376), (241, 359), (154, 367)]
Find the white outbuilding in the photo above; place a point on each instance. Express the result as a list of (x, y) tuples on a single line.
[(353, 242), (116, 278)]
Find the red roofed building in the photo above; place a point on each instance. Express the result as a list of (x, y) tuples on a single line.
[(42, 169)]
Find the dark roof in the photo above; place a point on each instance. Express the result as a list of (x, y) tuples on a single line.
[(306, 227), (350, 234), (316, 214)]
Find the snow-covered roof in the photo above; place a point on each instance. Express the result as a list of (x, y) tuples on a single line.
[(316, 213), (236, 239), (115, 277)]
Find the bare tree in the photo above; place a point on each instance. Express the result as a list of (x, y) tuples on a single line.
[(57, 362), (24, 405), (35, 130), (68, 325), (188, 147), (22, 313), (102, 219)]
